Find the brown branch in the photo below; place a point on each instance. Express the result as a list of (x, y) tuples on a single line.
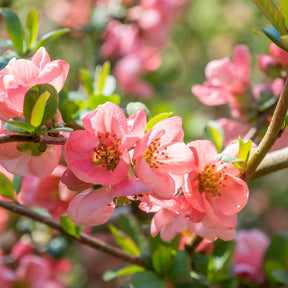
[(273, 162), (83, 238), (271, 135), (57, 140)]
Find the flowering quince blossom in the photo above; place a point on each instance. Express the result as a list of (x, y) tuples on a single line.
[(47, 192), (227, 82), (99, 154), (15, 80), (213, 188), (160, 154), (249, 254)]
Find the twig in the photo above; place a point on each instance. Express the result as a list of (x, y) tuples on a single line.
[(83, 238), (271, 134), (272, 162), (55, 140)]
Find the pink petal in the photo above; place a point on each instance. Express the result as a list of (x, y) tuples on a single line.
[(92, 208)]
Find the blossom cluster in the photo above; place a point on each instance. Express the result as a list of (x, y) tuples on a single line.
[(184, 184), (134, 44), (32, 270), (228, 82)]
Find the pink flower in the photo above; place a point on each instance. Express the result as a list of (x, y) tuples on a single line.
[(47, 192), (227, 81), (19, 75), (249, 254), (173, 215), (160, 154), (15, 79), (212, 188), (92, 208), (99, 154)]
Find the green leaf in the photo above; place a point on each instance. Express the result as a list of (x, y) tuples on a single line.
[(132, 107), (226, 158), (162, 259), (272, 33), (157, 119), (214, 132), (18, 127), (14, 29), (86, 81), (17, 182), (284, 42), (244, 150), (31, 29), (114, 273), (50, 36), (69, 227), (31, 100), (272, 13), (101, 73), (6, 187), (281, 276), (96, 100), (180, 268), (38, 109), (148, 279), (125, 242), (131, 227), (284, 10), (60, 129), (276, 256)]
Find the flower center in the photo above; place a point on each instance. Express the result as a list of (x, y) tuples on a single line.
[(107, 152), (155, 154), (210, 180)]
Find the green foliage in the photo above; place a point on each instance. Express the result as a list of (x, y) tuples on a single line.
[(152, 122), (31, 29), (148, 279), (20, 127), (284, 10), (40, 104), (14, 29), (17, 182), (69, 227), (276, 260), (132, 107), (114, 273), (6, 187), (214, 132), (124, 241), (273, 14)]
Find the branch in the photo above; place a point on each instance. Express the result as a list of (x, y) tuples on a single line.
[(273, 161), (55, 140), (83, 238), (271, 135)]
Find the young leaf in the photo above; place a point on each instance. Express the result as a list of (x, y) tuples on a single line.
[(125, 242), (70, 227), (96, 100), (272, 13), (50, 36), (272, 33), (31, 29), (214, 132), (18, 127), (17, 182), (31, 99), (86, 81), (111, 274), (132, 107), (284, 10), (157, 119), (6, 187), (14, 29), (148, 279), (101, 73), (38, 109), (244, 150), (162, 259)]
